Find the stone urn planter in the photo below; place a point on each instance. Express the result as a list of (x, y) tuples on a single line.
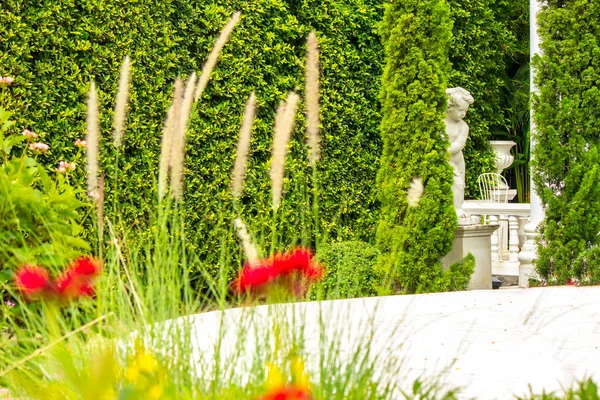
[(504, 158)]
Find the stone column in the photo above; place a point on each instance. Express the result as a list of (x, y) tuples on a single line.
[(528, 252)]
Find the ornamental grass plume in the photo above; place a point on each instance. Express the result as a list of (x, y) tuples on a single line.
[(415, 192), (171, 125), (178, 139), (312, 97), (284, 123), (250, 250), (121, 103), (214, 55), (92, 126), (243, 146), (100, 207)]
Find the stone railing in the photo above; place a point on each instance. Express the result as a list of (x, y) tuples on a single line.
[(508, 239)]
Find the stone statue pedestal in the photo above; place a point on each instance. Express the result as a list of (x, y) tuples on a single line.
[(474, 239)]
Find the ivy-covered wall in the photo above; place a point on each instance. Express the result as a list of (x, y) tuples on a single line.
[(567, 160), (54, 49)]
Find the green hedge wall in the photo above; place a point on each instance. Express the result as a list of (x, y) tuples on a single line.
[(54, 48), (477, 54), (567, 119), (412, 241)]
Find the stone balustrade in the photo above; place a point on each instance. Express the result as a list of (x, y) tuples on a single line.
[(509, 238)]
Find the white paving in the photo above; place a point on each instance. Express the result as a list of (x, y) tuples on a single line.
[(493, 343)]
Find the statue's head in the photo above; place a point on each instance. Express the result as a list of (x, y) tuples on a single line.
[(459, 101)]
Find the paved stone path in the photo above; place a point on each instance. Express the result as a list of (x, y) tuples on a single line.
[(493, 343)]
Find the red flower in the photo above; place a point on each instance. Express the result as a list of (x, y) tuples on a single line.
[(287, 393), (77, 280), (32, 280), (298, 263)]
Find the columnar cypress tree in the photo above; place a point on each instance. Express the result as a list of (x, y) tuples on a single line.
[(416, 34), (567, 117)]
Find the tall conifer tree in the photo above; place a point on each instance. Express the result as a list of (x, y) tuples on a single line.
[(416, 34), (567, 161)]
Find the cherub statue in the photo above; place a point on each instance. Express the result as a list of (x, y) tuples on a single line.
[(457, 130)]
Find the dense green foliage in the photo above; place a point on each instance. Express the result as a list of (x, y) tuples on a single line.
[(567, 160), (416, 35), (489, 53), (350, 270), (55, 50)]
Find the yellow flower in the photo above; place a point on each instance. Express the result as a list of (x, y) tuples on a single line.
[(299, 375), (155, 392), (146, 362), (132, 373), (275, 378)]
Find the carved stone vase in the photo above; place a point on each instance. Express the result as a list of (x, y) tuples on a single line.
[(504, 158)]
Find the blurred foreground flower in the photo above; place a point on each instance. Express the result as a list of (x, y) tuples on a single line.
[(39, 147), (64, 167), (4, 394), (278, 389), (294, 269), (29, 134), (76, 281), (81, 143), (7, 80), (415, 191), (32, 280), (145, 376)]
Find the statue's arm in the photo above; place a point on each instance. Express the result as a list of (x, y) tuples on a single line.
[(460, 141)]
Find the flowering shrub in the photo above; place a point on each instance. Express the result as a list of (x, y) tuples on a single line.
[(39, 214), (292, 270)]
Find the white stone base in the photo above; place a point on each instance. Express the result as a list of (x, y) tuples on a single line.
[(474, 239), (506, 268)]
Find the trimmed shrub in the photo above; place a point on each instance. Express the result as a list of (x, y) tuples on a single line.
[(349, 270), (457, 276), (567, 161), (412, 241)]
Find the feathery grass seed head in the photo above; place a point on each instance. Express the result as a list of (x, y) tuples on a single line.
[(250, 250), (214, 55), (165, 154), (312, 97), (178, 149), (415, 192), (241, 157), (92, 139), (121, 103), (284, 124)]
